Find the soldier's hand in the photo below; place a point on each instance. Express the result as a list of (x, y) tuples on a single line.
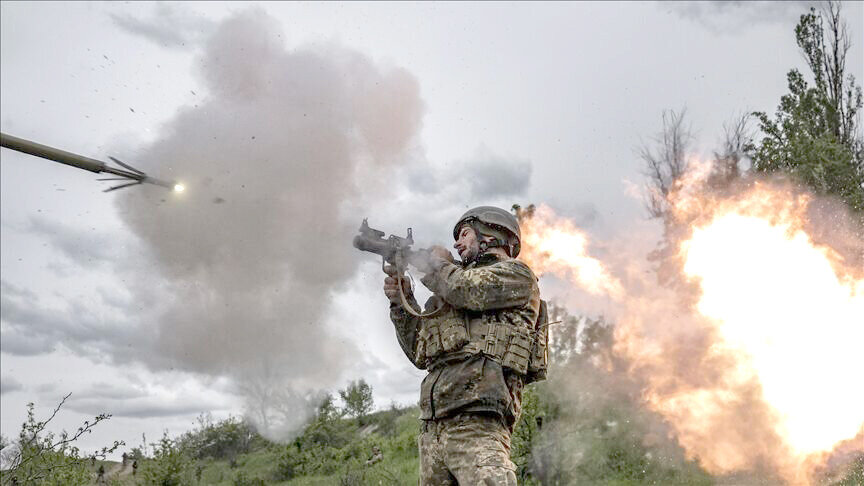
[(442, 253), (391, 289)]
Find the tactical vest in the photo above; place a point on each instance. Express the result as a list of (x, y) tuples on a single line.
[(456, 332)]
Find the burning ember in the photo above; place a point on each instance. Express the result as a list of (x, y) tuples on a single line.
[(753, 353)]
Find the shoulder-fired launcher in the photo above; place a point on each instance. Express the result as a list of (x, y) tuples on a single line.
[(395, 250)]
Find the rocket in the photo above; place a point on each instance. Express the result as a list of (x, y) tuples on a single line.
[(125, 172)]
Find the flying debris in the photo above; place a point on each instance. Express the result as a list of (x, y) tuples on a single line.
[(127, 173)]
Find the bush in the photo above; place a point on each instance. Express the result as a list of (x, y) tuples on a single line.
[(327, 428), (335, 448), (169, 466), (40, 457), (527, 429), (242, 479), (220, 440)]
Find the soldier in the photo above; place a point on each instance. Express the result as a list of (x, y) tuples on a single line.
[(481, 338), (377, 456)]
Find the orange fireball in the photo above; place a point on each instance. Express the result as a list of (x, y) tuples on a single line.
[(753, 354)]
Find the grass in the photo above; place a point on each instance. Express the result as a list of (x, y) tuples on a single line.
[(336, 451)]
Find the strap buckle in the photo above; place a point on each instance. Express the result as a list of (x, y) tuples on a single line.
[(491, 338)]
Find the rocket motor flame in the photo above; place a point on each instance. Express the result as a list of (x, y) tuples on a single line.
[(784, 321)]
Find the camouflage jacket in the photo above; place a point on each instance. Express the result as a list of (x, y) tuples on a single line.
[(493, 289)]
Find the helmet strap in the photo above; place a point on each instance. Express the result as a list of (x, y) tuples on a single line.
[(488, 245), (483, 245)]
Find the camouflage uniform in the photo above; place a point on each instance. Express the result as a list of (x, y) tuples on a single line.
[(476, 350)]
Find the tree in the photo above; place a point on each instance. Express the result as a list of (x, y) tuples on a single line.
[(737, 141), (225, 439), (667, 158), (170, 465), (40, 457), (815, 135), (666, 162), (327, 428), (358, 398)]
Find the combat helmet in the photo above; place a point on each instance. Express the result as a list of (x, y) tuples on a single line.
[(497, 219)]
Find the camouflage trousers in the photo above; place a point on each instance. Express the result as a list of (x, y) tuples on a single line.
[(468, 450)]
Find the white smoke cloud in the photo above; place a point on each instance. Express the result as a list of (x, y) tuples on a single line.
[(274, 159)]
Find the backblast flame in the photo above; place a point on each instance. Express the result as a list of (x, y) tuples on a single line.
[(555, 245), (753, 352), (789, 315)]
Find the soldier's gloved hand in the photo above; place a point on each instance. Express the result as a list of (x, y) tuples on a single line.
[(391, 285)]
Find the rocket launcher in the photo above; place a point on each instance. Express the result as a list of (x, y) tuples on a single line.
[(396, 251)]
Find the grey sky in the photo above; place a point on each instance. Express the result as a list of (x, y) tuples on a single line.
[(104, 285)]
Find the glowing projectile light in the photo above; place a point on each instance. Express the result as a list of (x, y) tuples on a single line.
[(179, 188)]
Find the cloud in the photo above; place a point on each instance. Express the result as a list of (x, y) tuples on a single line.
[(46, 389), (430, 198), (168, 26), (15, 292), (9, 384), (31, 327), (737, 15), (84, 246), (483, 176), (18, 343), (125, 400), (491, 176)]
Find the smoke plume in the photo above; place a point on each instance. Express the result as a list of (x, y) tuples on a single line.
[(273, 160)]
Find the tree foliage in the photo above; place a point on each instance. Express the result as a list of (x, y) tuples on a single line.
[(334, 446), (815, 134), (225, 439), (358, 398), (171, 464), (41, 457)]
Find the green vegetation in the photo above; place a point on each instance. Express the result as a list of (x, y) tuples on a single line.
[(815, 135), (358, 399), (599, 436), (41, 457), (330, 450)]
